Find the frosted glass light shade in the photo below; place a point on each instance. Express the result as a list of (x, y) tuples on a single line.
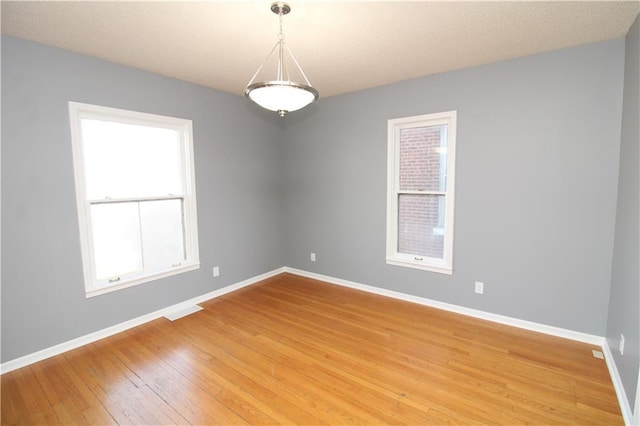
[(281, 96)]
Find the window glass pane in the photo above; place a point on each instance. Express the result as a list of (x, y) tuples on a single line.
[(128, 161), (162, 233), (421, 225), (116, 239), (423, 158)]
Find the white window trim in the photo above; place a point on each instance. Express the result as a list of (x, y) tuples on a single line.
[(78, 111), (393, 257)]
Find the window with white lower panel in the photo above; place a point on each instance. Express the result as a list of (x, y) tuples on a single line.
[(420, 191), (136, 198)]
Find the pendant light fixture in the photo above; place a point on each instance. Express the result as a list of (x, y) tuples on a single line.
[(288, 89)]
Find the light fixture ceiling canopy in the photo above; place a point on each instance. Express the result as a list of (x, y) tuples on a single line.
[(288, 88)]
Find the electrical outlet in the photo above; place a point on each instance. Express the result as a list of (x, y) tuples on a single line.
[(312, 257), (216, 271), (479, 287), (621, 346)]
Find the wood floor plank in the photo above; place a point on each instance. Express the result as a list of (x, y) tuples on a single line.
[(215, 352), (113, 384), (292, 350), (362, 364), (360, 361), (72, 401), (19, 392), (244, 396), (192, 403), (281, 368), (35, 396)]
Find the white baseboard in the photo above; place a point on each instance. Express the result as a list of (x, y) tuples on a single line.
[(625, 406), (527, 325), (110, 331)]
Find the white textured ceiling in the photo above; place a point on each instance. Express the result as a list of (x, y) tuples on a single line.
[(342, 46)]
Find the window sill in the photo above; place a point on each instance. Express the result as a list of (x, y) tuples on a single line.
[(424, 265), (97, 290)]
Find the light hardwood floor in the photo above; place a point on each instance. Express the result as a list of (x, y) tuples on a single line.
[(291, 350)]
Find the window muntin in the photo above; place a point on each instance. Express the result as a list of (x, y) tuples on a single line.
[(135, 190), (421, 159)]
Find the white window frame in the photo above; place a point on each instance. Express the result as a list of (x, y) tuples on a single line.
[(79, 111), (393, 257)]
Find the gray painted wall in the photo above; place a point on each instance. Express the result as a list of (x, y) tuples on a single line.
[(624, 302), (536, 176), (238, 163)]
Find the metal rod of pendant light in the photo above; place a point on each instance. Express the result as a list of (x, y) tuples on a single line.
[(281, 64)]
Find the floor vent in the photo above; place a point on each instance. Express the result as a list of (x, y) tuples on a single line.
[(597, 354), (172, 316)]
